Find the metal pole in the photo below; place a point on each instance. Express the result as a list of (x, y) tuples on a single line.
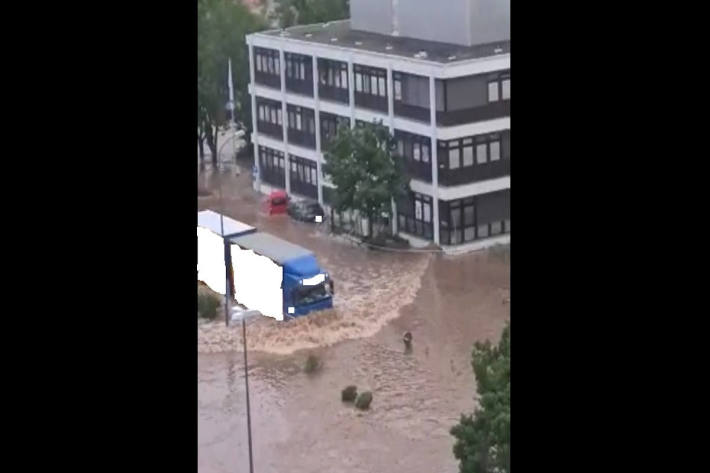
[(227, 310), (246, 384)]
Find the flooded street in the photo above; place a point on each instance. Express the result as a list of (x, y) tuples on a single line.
[(298, 421)]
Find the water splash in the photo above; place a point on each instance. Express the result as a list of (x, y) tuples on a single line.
[(366, 299)]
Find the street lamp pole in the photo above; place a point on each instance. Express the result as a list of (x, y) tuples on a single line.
[(244, 315), (227, 309), (246, 385)]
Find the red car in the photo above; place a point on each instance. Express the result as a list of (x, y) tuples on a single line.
[(277, 202)]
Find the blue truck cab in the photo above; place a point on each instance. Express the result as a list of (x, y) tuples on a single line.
[(305, 286)]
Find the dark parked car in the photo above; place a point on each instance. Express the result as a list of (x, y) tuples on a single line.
[(306, 211)]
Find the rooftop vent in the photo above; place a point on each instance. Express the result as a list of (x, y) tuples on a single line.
[(498, 50), (333, 40), (358, 43), (308, 35), (389, 47), (452, 58), (421, 55)]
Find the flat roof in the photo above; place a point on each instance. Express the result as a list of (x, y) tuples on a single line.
[(444, 53), (210, 219), (265, 244)]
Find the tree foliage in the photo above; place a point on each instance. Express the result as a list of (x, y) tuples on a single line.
[(305, 12), (221, 29), (483, 439), (363, 166)]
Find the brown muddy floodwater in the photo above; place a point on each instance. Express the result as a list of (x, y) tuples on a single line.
[(298, 421)]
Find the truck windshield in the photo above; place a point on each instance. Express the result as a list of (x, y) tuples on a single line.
[(310, 294)]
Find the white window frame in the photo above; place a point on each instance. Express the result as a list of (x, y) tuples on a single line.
[(491, 157), (343, 78), (485, 148), (493, 91), (397, 89), (503, 87)]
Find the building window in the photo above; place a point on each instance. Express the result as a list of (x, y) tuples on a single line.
[(493, 91), (485, 149), (374, 81), (427, 213), (301, 119), (425, 152), (415, 149), (414, 215), (453, 158), (494, 147), (499, 87), (496, 228), (468, 152), (296, 66), (505, 89), (397, 89), (266, 61), (269, 111), (468, 218), (344, 77), (481, 154)]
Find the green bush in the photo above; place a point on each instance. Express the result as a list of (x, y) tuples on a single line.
[(349, 394), (313, 364), (363, 400), (207, 305)]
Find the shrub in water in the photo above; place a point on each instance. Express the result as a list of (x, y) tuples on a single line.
[(363, 400), (312, 364), (207, 305), (349, 394)]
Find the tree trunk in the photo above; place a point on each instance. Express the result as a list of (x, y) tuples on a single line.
[(201, 144), (212, 142)]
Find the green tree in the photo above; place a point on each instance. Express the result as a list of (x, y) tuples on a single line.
[(363, 166), (221, 29), (305, 12), (483, 439)]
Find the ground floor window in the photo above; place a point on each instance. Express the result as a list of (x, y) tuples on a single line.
[(474, 218), (414, 215), (304, 176), (272, 166)]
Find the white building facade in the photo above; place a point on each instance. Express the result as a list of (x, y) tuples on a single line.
[(448, 106)]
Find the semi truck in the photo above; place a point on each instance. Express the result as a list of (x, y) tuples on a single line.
[(265, 273)]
